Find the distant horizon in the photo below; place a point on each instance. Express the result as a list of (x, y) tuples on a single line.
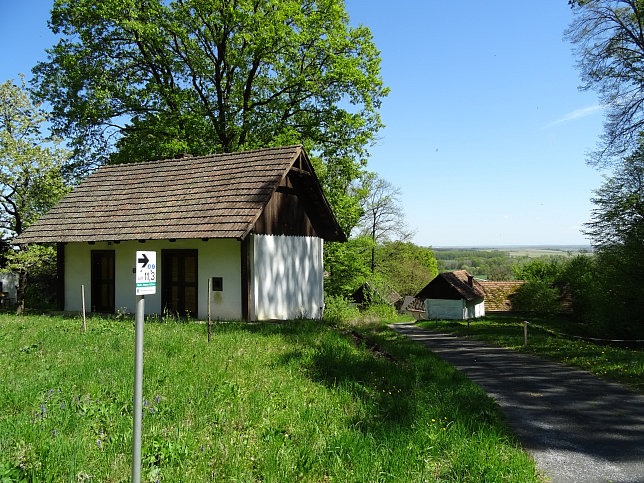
[(516, 246)]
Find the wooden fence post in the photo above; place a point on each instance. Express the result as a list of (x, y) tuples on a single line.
[(83, 308), (209, 297), (525, 332)]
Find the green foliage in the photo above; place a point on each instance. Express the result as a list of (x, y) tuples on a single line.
[(487, 264), (579, 277), (380, 311), (30, 163), (536, 296), (610, 52), (617, 231), (406, 267), (296, 401), (400, 266), (538, 270), (134, 81), (620, 290), (339, 310), (346, 265), (30, 177), (618, 215), (38, 263)]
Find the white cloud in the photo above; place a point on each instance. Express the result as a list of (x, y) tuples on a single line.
[(576, 114)]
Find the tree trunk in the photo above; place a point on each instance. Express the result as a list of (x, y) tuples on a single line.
[(20, 293)]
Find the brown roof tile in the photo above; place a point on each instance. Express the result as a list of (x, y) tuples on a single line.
[(457, 282), (498, 295), (217, 196)]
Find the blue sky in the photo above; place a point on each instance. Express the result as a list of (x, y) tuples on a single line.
[(487, 132)]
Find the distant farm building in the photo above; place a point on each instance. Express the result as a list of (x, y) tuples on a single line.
[(453, 296)]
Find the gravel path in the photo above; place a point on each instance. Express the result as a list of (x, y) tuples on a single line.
[(577, 427)]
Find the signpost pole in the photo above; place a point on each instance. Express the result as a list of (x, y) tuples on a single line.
[(138, 389), (146, 282)]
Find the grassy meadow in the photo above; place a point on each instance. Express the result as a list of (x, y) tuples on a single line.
[(616, 362), (296, 401)]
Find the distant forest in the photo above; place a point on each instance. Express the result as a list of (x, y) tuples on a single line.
[(495, 264)]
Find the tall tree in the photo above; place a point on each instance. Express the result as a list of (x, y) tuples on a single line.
[(617, 232), (618, 216), (382, 215), (609, 42), (407, 267), (30, 174), (135, 80)]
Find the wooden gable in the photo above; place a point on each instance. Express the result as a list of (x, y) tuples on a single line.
[(298, 206)]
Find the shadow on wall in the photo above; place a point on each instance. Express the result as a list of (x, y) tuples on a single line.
[(288, 277)]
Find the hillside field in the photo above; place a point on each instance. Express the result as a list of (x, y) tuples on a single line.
[(293, 401)]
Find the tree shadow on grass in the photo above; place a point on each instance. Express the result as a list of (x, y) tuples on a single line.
[(399, 395)]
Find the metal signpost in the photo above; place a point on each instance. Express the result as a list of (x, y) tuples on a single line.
[(146, 284)]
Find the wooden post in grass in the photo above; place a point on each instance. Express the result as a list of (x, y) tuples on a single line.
[(209, 297), (525, 332), (83, 308)]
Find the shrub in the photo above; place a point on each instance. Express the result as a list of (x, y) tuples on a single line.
[(338, 310), (536, 296), (380, 312)]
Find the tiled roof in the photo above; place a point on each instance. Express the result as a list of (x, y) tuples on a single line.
[(498, 295), (459, 281), (216, 196)]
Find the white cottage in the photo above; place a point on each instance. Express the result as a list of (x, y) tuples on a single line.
[(453, 296), (253, 222)]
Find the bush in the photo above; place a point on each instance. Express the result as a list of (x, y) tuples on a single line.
[(536, 296), (338, 310), (380, 312)]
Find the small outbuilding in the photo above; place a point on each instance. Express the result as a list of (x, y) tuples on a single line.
[(453, 296), (252, 222)]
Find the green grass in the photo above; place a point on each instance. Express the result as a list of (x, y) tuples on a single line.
[(612, 362), (298, 401)]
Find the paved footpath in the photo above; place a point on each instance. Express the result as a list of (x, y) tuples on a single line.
[(577, 427)]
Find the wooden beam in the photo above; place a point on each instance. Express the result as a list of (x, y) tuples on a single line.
[(300, 171)]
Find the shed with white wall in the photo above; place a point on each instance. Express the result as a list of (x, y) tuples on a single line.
[(453, 296), (254, 220)]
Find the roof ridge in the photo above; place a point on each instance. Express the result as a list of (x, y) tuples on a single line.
[(214, 196), (204, 157)]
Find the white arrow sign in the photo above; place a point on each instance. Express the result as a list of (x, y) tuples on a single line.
[(146, 273)]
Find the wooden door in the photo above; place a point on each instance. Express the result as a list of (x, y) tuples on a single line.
[(179, 279), (103, 281)]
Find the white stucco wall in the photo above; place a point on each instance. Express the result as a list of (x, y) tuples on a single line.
[(216, 258), (454, 309), (444, 309), (474, 309), (287, 277)]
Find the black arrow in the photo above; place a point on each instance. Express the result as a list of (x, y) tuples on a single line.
[(143, 260)]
